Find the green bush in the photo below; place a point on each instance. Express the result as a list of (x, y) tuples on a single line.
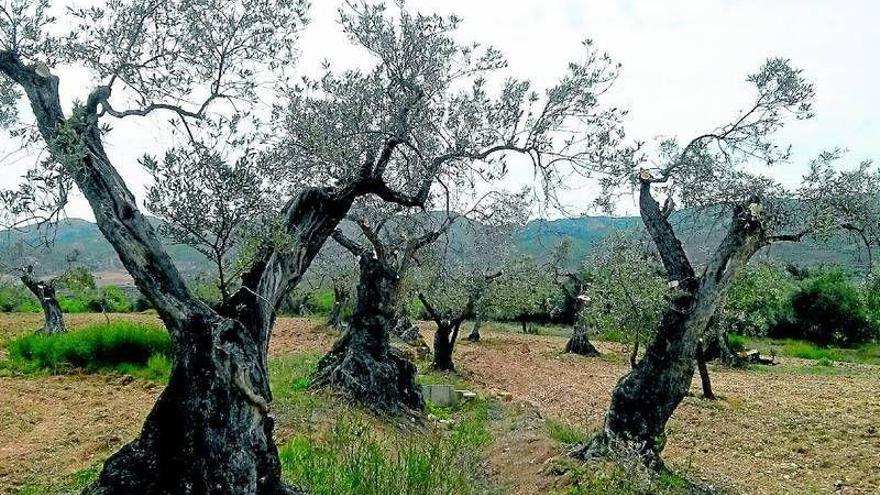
[(17, 299), (73, 305), (96, 347), (321, 301), (828, 309), (757, 300), (736, 342)]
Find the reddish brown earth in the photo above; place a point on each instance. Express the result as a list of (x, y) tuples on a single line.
[(780, 431)]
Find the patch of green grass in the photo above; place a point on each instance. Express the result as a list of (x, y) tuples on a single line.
[(356, 458), (122, 345), (341, 450), (613, 335), (565, 433), (70, 484), (864, 354), (736, 342), (807, 350), (627, 478)]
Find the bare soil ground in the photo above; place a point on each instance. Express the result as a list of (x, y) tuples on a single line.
[(796, 428)]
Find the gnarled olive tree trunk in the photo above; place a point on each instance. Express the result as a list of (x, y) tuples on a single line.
[(579, 342), (474, 336), (210, 432), (446, 334), (340, 298), (645, 398), (53, 318), (362, 365)]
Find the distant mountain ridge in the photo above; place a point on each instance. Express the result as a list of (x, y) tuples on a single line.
[(537, 238)]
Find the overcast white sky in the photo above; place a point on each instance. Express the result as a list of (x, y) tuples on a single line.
[(684, 65)]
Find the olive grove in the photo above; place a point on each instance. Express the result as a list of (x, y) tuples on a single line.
[(422, 112)]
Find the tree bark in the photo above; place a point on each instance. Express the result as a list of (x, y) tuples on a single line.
[(645, 398), (444, 345), (705, 379), (340, 297), (579, 343), (362, 366), (53, 318), (474, 336), (210, 430)]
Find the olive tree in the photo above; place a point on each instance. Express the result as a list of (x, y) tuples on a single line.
[(625, 290), (362, 365), (714, 173), (571, 285), (338, 138), (20, 261)]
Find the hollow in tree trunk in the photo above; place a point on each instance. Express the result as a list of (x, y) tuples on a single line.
[(645, 398), (579, 343), (362, 365), (53, 318)]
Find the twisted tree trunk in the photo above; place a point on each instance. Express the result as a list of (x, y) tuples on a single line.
[(362, 365), (53, 318), (645, 398), (210, 430), (579, 343), (474, 336), (447, 332), (444, 344), (340, 298)]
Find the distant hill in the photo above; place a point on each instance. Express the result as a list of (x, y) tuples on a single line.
[(537, 239), (93, 251)]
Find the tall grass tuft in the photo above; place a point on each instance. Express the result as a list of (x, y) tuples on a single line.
[(354, 459), (119, 345)]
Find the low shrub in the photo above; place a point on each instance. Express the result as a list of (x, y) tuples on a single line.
[(736, 342), (828, 309), (95, 347), (17, 299)]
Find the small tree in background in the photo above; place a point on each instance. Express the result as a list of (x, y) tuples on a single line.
[(626, 289), (572, 285), (524, 292), (44, 286)]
